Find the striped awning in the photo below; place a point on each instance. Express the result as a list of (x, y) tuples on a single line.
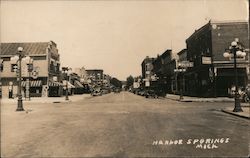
[(55, 84), (70, 85), (36, 83), (77, 84)]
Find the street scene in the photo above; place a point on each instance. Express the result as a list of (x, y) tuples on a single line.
[(121, 125), (125, 79)]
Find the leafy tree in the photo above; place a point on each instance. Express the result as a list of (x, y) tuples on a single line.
[(130, 81), (117, 83)]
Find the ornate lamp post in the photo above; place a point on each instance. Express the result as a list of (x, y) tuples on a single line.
[(66, 72), (19, 92), (235, 50), (177, 71), (29, 62)]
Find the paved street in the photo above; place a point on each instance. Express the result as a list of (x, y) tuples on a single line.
[(122, 125)]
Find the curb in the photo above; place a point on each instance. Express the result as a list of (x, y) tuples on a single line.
[(246, 117), (207, 101)]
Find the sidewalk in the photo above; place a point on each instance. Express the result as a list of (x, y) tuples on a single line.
[(72, 98), (197, 99), (244, 114)]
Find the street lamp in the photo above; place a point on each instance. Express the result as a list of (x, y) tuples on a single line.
[(66, 71), (29, 62), (235, 50), (180, 69), (19, 78)]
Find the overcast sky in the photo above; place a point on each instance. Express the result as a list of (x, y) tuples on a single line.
[(113, 35)]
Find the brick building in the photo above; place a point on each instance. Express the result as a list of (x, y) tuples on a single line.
[(147, 70), (95, 76), (163, 67), (43, 78), (212, 74)]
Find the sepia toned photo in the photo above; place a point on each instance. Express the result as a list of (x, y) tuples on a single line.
[(124, 78)]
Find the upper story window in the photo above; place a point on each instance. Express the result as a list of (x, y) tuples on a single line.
[(1, 67), (39, 58), (30, 67), (13, 67)]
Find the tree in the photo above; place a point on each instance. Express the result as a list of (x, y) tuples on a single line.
[(130, 81), (117, 83)]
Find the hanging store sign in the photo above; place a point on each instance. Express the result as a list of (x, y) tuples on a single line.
[(147, 84), (206, 60), (186, 64)]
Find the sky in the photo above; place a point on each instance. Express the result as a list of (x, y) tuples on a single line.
[(112, 35)]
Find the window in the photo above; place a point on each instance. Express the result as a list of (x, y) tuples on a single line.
[(13, 67), (1, 67), (30, 67)]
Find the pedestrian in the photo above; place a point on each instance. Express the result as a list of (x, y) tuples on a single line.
[(10, 92)]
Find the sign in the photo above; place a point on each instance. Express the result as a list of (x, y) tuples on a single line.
[(206, 60), (34, 74), (55, 78), (136, 85), (179, 70), (186, 64), (147, 83)]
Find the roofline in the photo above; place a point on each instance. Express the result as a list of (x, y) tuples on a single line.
[(182, 51), (22, 42), (227, 21), (222, 22), (150, 58), (198, 31), (28, 55)]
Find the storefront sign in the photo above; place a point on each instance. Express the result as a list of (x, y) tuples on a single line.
[(186, 64), (206, 60)]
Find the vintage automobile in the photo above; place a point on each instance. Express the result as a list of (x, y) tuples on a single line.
[(117, 90), (150, 93), (96, 91), (244, 93)]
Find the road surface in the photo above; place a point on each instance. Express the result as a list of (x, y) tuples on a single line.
[(123, 125)]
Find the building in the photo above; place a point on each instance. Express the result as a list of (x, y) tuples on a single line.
[(163, 68), (147, 70), (82, 73), (179, 81), (212, 74), (95, 76), (41, 73)]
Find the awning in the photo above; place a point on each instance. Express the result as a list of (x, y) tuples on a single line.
[(55, 84), (70, 85), (78, 84), (36, 83)]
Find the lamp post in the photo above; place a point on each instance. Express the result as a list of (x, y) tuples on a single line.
[(235, 50), (177, 71), (19, 92), (66, 72), (29, 62)]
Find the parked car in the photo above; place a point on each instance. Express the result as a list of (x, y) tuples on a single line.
[(96, 91), (142, 92), (151, 93), (244, 93), (117, 90)]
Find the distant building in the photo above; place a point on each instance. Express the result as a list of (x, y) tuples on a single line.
[(179, 81), (95, 76), (163, 67), (82, 73), (44, 74), (182, 55), (147, 70), (212, 74)]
